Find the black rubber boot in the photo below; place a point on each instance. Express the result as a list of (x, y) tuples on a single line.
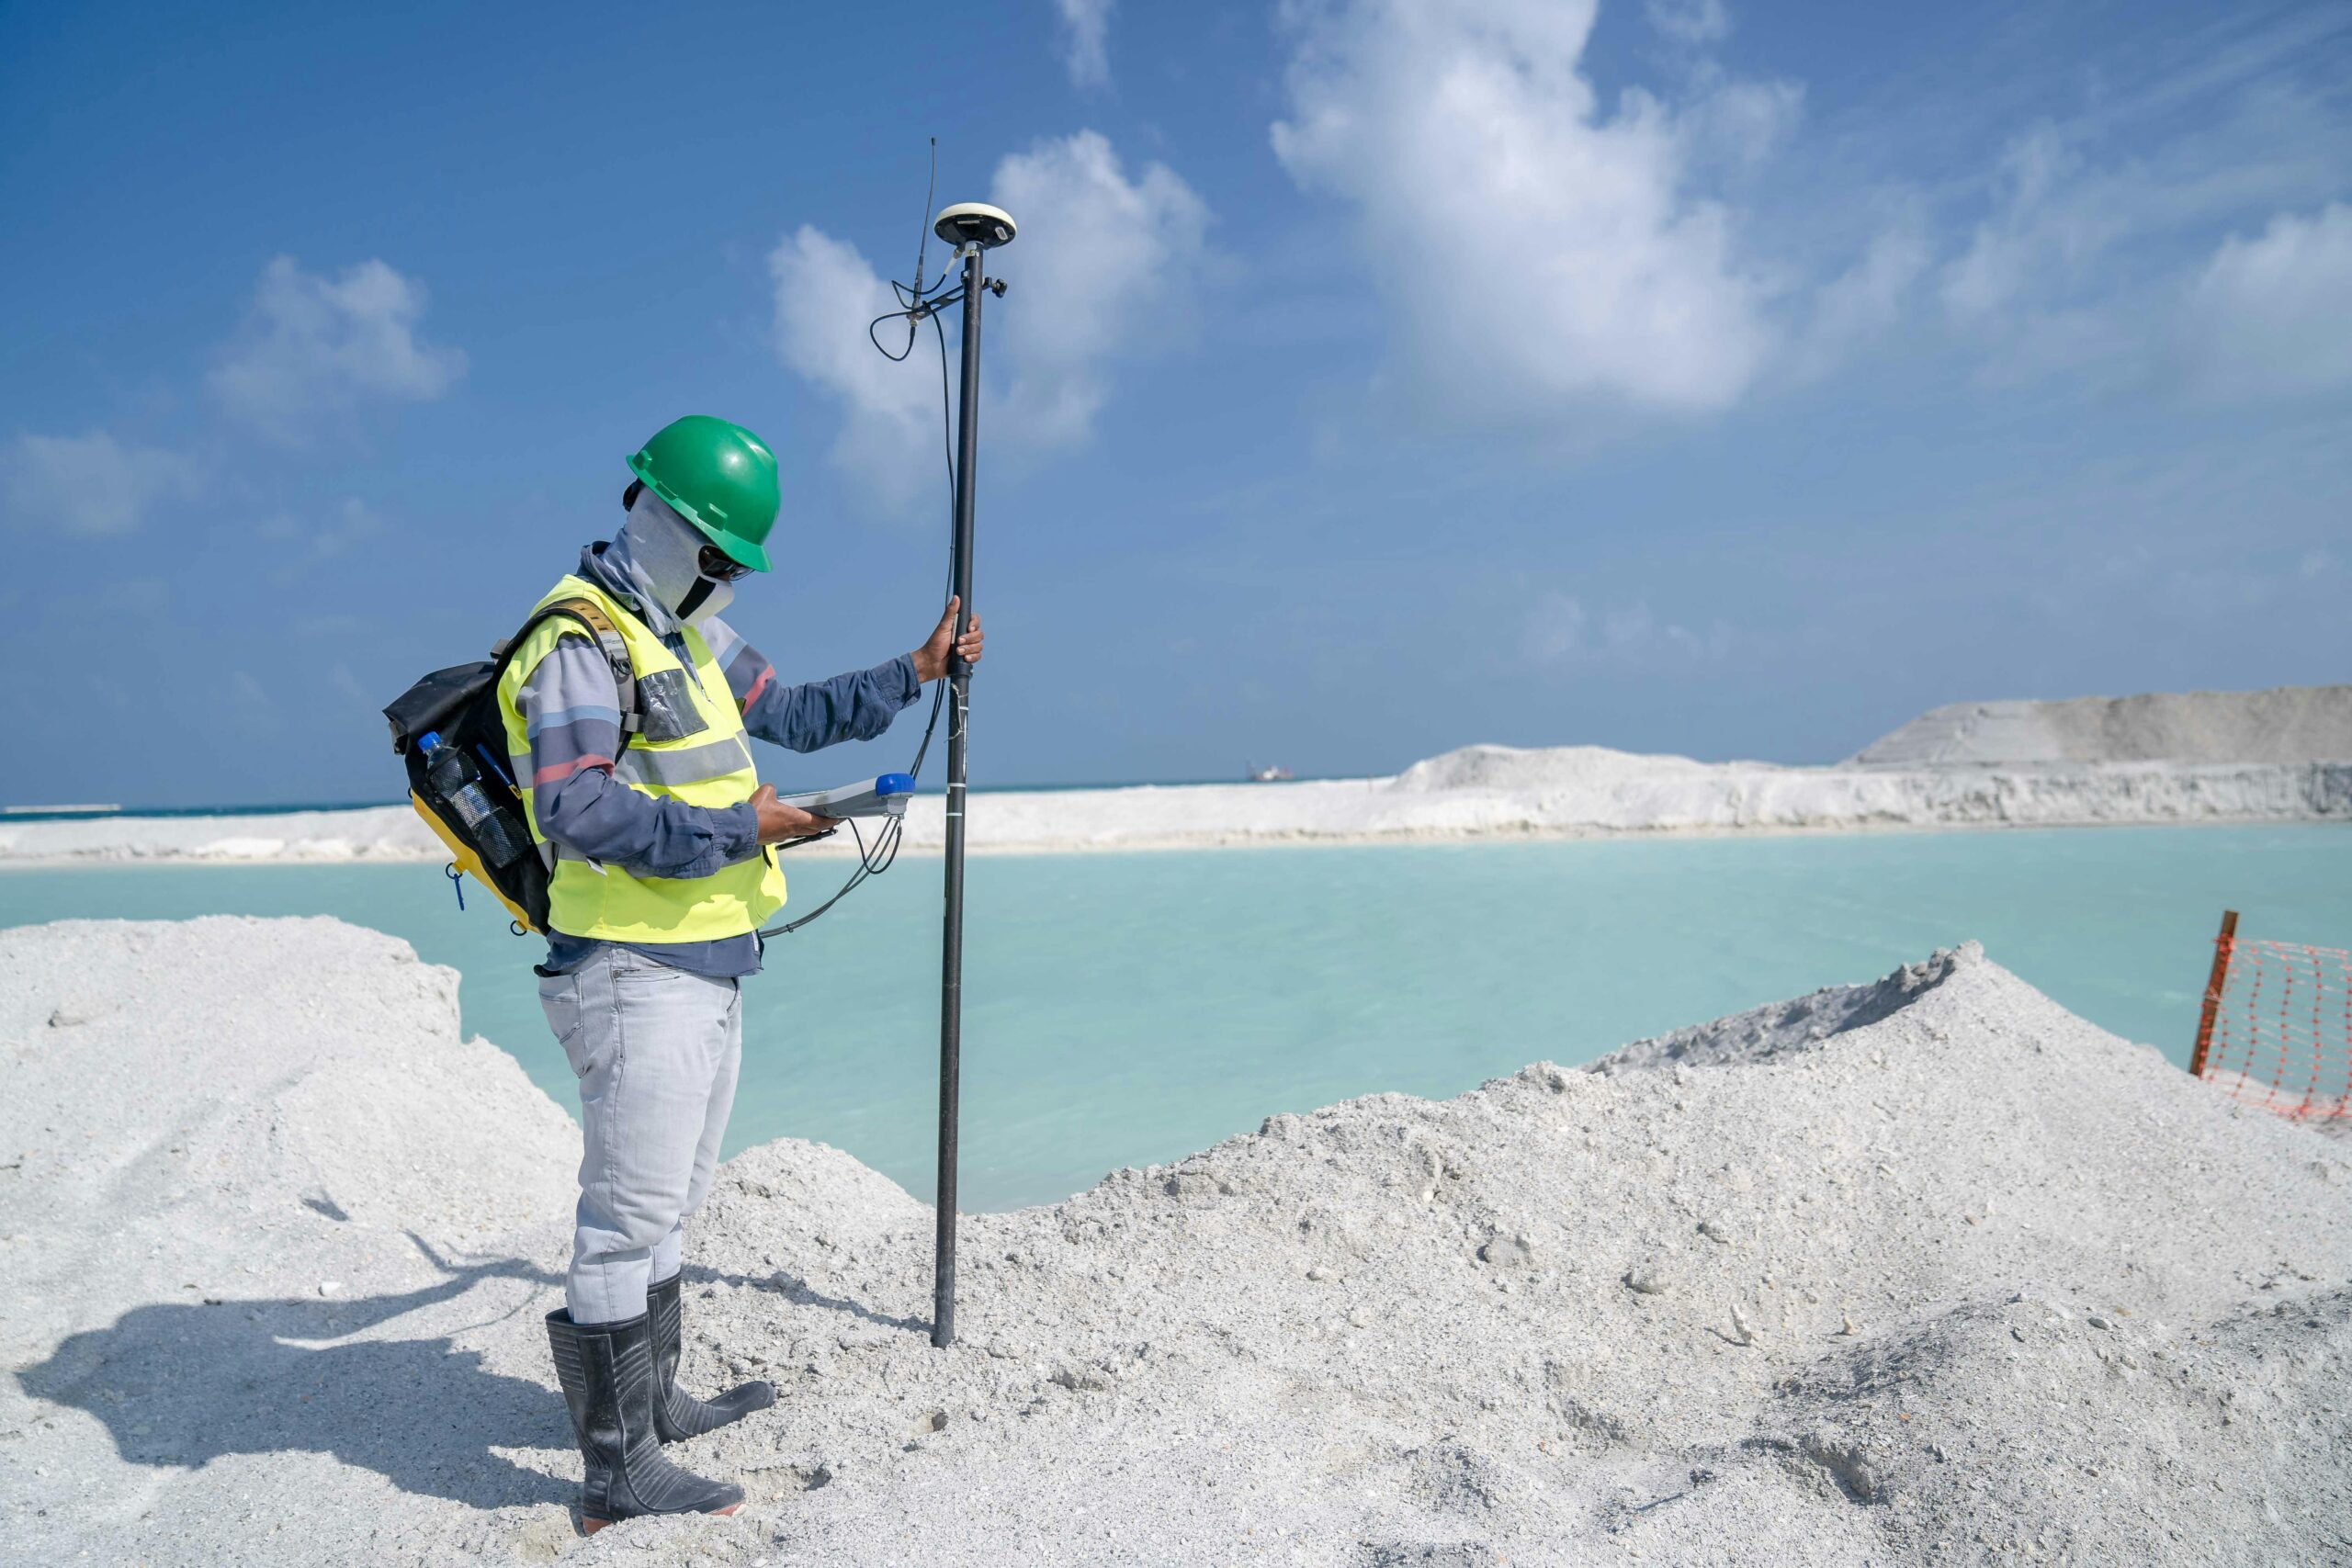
[(678, 1415), (612, 1390)]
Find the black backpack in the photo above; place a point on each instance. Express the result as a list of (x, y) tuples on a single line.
[(449, 733)]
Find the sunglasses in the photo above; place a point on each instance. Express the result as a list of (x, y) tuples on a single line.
[(716, 562)]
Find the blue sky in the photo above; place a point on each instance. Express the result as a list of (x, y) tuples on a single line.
[(1374, 379)]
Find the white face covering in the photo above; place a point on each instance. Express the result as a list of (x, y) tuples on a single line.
[(661, 553)]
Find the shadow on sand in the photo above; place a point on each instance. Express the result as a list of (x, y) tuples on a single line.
[(800, 1292), (184, 1384)]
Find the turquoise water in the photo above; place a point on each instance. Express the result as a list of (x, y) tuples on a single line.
[(1122, 1008)]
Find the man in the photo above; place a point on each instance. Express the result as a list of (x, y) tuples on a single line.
[(662, 875)]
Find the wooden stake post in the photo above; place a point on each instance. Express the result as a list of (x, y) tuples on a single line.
[(2220, 977)]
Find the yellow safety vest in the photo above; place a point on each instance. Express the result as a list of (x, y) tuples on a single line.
[(693, 748)]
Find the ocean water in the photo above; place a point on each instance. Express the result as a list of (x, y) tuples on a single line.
[(1126, 1009)]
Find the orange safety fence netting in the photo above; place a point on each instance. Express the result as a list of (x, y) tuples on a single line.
[(2281, 1034)]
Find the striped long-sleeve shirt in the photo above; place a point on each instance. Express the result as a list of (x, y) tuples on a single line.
[(571, 712)]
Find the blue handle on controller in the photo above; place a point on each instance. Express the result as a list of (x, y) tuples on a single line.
[(884, 796)]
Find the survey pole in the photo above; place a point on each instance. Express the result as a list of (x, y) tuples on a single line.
[(959, 679), (972, 227)]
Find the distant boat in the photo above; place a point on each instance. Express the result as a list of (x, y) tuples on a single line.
[(1275, 773), (56, 811)]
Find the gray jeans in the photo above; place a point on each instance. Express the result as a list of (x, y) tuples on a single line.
[(656, 1050)]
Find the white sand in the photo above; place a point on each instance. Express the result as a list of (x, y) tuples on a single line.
[(370, 833), (2280, 755), (2285, 724), (1928, 1272), (1478, 792)]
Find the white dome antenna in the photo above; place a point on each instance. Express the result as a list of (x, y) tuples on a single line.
[(974, 223)]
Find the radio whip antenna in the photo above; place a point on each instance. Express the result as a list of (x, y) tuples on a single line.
[(922, 243)]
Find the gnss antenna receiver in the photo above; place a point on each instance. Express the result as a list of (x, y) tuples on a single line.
[(974, 223), (974, 228)]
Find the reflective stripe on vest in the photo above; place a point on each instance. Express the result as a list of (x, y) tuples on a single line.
[(693, 763), (712, 767)]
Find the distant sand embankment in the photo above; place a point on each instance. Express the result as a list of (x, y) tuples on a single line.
[(1479, 792), (1924, 1271), (363, 833), (2284, 724), (2279, 756)]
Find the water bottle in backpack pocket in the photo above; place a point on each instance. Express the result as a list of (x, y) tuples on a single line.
[(452, 741), (495, 827)]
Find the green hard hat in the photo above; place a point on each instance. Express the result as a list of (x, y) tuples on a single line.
[(718, 476)]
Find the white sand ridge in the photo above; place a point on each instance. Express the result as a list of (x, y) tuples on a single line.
[(1478, 792), (1929, 1271), (2278, 755)]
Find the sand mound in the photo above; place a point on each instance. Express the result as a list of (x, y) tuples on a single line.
[(1929, 1270), (1589, 789), (2285, 724), (298, 1083), (1542, 769), (233, 1149), (1761, 1033)]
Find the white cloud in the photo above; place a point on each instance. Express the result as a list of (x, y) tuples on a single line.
[(1558, 632), (1690, 21), (2049, 223), (1099, 261), (1086, 27), (1867, 301), (2103, 251), (1734, 125), (1099, 268), (826, 293), (2075, 271), (301, 545), (2272, 315), (1539, 248), (93, 483), (1554, 628), (313, 342)]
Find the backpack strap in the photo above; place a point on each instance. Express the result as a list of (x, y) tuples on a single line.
[(598, 627)]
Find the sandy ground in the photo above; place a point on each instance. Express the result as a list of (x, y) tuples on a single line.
[(1478, 792), (1923, 1271)]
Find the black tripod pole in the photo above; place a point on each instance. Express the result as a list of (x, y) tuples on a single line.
[(959, 678)]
